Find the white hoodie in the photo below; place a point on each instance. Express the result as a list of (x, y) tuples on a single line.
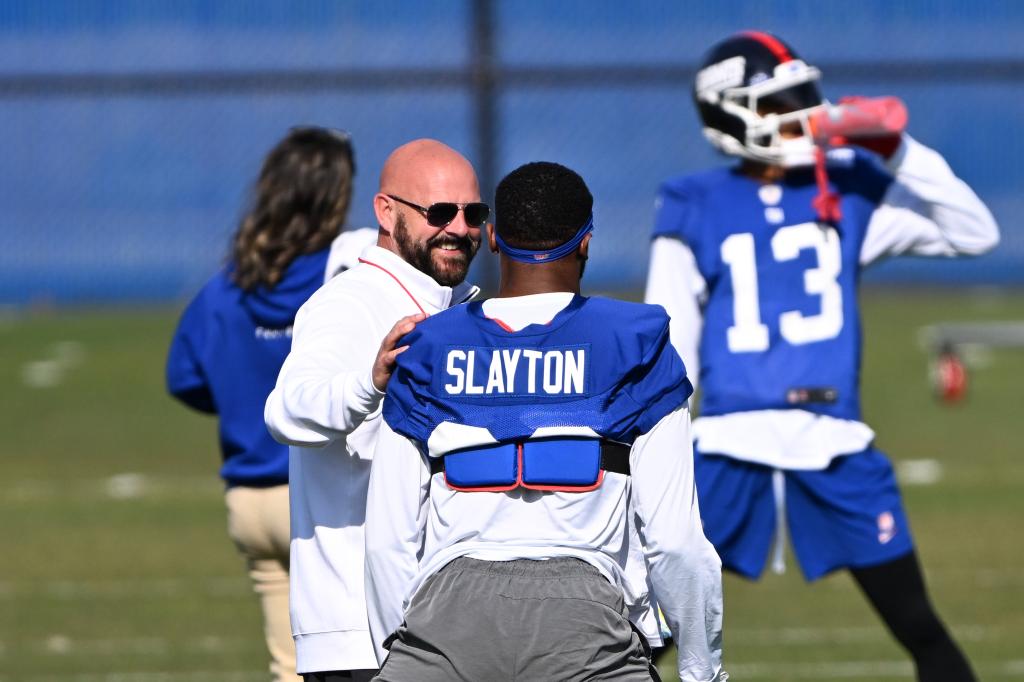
[(326, 407)]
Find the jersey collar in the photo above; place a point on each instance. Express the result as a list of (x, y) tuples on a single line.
[(475, 310)]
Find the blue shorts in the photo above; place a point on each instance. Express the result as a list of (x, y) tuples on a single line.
[(849, 515)]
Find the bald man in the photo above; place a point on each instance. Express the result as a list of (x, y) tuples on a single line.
[(326, 404)]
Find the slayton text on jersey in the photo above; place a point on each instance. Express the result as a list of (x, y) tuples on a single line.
[(482, 371)]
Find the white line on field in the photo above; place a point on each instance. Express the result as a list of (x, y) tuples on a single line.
[(193, 676), (50, 371), (754, 670), (836, 670), (813, 636), (42, 374), (919, 471), (122, 486), (156, 588), (819, 671), (60, 645), (127, 486), (235, 585), (1005, 575)]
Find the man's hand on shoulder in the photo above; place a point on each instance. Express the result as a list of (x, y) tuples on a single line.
[(387, 356)]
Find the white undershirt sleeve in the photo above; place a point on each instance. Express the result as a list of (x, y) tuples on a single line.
[(685, 571), (927, 211), (325, 388), (396, 517), (675, 283)]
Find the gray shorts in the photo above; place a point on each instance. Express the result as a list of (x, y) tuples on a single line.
[(549, 621)]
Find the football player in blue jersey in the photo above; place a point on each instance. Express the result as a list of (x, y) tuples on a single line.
[(758, 265), (530, 442)]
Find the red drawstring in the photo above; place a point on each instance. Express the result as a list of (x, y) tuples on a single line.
[(827, 201), (399, 282)]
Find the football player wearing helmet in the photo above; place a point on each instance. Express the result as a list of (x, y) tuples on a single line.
[(758, 265)]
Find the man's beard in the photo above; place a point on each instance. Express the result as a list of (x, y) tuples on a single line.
[(420, 255)]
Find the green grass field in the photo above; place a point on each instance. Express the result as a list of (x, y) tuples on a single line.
[(117, 568)]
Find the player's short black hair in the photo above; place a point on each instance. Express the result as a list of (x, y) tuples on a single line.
[(541, 205)]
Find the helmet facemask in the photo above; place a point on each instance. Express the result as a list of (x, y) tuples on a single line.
[(775, 113)]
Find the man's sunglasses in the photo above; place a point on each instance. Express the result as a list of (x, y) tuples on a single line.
[(443, 213)]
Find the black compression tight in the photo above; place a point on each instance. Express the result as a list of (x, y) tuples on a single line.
[(896, 590)]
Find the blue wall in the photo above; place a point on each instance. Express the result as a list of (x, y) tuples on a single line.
[(132, 196)]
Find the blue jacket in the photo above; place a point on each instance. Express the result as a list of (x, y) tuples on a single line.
[(225, 358)]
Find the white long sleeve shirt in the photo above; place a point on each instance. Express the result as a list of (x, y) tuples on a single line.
[(326, 407), (415, 526), (926, 211)]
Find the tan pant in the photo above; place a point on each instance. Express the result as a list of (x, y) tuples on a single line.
[(258, 525)]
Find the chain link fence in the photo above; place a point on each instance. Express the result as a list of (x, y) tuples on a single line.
[(133, 130)]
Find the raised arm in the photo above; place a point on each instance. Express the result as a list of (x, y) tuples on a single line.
[(927, 211)]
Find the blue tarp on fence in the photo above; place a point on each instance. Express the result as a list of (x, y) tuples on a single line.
[(133, 130)]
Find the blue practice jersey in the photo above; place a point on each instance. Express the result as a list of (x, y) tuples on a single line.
[(781, 322), (600, 364)]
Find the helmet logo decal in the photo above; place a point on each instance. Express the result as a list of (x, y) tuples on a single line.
[(792, 67), (717, 77)]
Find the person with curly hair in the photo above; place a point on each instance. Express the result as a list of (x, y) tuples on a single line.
[(234, 336)]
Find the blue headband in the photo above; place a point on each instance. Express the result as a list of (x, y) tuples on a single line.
[(557, 253)]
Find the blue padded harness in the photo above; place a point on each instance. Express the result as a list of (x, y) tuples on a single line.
[(555, 464)]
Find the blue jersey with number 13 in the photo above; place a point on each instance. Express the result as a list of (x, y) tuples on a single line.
[(781, 323)]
